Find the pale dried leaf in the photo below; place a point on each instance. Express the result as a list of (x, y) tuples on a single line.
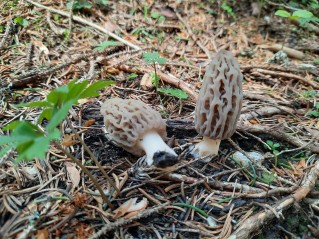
[(89, 123), (137, 208), (73, 173), (146, 82), (124, 207), (69, 140), (41, 47), (42, 234)]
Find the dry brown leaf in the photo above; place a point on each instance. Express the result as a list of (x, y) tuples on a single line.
[(138, 207), (69, 140), (42, 234), (110, 26), (89, 123), (123, 208), (73, 173), (131, 207), (84, 101), (146, 82), (41, 47)]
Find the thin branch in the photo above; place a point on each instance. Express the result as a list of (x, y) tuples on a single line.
[(92, 156), (87, 172), (86, 22)]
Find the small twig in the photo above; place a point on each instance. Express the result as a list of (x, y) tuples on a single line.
[(86, 22), (87, 149), (190, 32), (71, 16), (253, 224), (289, 76), (87, 172), (122, 221), (6, 34)]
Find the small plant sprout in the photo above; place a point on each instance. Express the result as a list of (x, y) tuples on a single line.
[(302, 16), (137, 128), (152, 58)]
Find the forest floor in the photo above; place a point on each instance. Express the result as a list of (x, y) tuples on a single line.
[(41, 50)]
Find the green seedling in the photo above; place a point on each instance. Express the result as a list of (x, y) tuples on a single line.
[(79, 5), (102, 46), (174, 92), (309, 94), (152, 58), (132, 76), (160, 18), (21, 21), (302, 16), (315, 112), (274, 148), (228, 9)]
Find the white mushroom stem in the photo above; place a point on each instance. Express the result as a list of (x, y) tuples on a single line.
[(207, 147), (151, 143)]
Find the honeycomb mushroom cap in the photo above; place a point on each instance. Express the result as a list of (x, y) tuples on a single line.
[(127, 120), (220, 98)]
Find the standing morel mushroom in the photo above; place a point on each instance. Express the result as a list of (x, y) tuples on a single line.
[(137, 128), (219, 103)]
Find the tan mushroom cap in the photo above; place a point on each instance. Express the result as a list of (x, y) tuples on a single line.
[(220, 98), (127, 120)]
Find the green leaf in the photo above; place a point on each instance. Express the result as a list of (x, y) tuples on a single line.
[(75, 90), (153, 57), (161, 19), (78, 5), (35, 104), (174, 92), (132, 76), (45, 114), (200, 211), (313, 113), (282, 13), (93, 89), (102, 2), (268, 177), (302, 14), (36, 148), (102, 46), (59, 116), (270, 143), (58, 95), (21, 21), (4, 139), (276, 145), (155, 15), (275, 151)]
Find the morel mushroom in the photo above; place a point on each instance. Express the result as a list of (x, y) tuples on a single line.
[(219, 103), (139, 129)]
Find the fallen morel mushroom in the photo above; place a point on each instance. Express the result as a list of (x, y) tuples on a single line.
[(219, 103), (139, 129)]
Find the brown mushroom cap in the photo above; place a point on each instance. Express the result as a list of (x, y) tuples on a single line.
[(127, 121), (220, 98)]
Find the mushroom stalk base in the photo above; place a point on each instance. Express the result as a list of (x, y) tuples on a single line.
[(207, 147), (153, 145)]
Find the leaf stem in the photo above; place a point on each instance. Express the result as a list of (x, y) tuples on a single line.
[(93, 156), (87, 172)]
